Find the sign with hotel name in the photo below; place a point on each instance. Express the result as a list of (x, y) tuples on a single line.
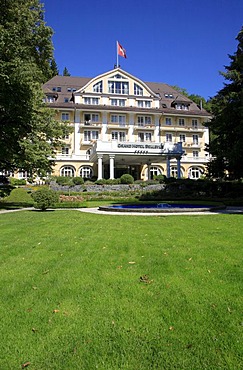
[(141, 146)]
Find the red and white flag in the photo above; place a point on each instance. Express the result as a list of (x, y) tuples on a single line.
[(121, 51)]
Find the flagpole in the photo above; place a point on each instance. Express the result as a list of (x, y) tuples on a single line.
[(117, 54)]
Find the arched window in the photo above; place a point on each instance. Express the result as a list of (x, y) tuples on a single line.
[(154, 171), (67, 171), (195, 173), (173, 172), (86, 172)]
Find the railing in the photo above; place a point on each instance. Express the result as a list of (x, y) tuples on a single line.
[(90, 124)]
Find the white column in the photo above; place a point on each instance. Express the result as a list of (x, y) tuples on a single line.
[(100, 167), (112, 158)]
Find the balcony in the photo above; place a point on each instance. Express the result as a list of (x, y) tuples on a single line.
[(117, 125), (90, 124), (142, 127)]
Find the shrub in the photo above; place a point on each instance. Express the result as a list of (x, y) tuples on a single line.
[(78, 180), (45, 198), (64, 180), (127, 179), (17, 182), (19, 195), (160, 178)]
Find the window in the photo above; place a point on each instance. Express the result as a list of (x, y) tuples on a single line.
[(66, 100), (168, 138), (181, 106), (91, 135), (91, 101), (98, 87), (50, 99), (195, 173), (195, 139), (23, 174), (65, 116), (182, 138), (173, 171), (71, 89), (91, 117), (121, 120), (86, 172), (144, 120), (168, 121), (144, 136), (67, 171), (144, 103), (118, 135), (118, 87), (58, 89), (170, 96), (155, 171), (181, 122), (138, 90), (195, 153), (194, 123), (65, 150), (118, 102)]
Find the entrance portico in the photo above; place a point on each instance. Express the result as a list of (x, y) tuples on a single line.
[(133, 155)]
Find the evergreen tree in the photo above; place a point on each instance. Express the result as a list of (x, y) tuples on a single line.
[(28, 133), (226, 145), (65, 72), (54, 68)]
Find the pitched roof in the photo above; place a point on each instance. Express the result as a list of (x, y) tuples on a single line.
[(166, 93)]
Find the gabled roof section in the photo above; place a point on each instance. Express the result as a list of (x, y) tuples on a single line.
[(112, 73)]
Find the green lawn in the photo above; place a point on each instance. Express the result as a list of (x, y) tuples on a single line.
[(84, 291)]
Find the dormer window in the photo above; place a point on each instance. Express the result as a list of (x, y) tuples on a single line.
[(169, 96), (181, 106), (138, 90)]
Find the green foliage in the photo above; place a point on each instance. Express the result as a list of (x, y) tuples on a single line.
[(64, 180), (17, 182), (160, 178), (65, 72), (226, 144), (45, 198), (29, 135), (77, 180), (108, 182), (19, 195), (127, 179)]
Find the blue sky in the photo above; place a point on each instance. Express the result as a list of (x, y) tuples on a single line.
[(184, 43)]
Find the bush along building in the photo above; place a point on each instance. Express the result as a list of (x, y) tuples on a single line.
[(122, 124)]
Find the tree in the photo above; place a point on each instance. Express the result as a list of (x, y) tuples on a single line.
[(226, 145), (54, 68), (65, 72), (45, 198), (29, 135)]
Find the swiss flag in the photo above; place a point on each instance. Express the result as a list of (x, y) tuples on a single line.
[(121, 51)]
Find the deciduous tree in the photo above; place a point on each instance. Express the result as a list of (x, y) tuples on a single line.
[(29, 135), (226, 145)]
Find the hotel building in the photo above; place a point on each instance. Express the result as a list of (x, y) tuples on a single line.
[(122, 124)]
